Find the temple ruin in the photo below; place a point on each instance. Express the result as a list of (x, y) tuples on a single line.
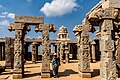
[(105, 48)]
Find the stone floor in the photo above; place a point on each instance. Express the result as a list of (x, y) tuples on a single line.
[(66, 72)]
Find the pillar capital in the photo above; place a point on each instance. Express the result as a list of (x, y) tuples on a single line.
[(47, 27), (18, 26), (107, 13)]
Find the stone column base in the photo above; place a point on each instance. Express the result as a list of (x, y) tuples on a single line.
[(45, 75), (85, 74), (17, 76)]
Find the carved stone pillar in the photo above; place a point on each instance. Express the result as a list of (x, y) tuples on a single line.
[(18, 70), (0, 52), (57, 47), (61, 52), (93, 52), (107, 65), (45, 29), (20, 30), (117, 52), (66, 52), (34, 52), (84, 66), (81, 32), (8, 59)]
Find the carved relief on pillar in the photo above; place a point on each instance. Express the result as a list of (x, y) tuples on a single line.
[(117, 52), (61, 52), (108, 65)]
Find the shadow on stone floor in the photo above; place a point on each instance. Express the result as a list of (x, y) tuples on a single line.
[(96, 72), (32, 75), (67, 72)]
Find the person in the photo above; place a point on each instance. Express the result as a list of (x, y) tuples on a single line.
[(55, 65)]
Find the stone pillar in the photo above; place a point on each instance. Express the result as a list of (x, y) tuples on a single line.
[(66, 52), (61, 52), (18, 71), (84, 66), (37, 51), (8, 54), (20, 30), (93, 52), (0, 52), (57, 47), (45, 29), (107, 65), (4, 52), (81, 32), (34, 54), (117, 52)]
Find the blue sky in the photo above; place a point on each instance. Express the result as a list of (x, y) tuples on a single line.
[(58, 12)]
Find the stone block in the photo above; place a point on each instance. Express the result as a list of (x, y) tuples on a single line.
[(29, 19), (17, 76), (45, 75), (85, 75)]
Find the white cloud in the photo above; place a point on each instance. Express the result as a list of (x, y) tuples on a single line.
[(8, 14), (11, 15), (5, 13), (59, 7), (4, 23), (2, 16)]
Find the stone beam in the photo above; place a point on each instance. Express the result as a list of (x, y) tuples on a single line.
[(29, 19)]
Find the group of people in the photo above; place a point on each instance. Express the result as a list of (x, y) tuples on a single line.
[(55, 65)]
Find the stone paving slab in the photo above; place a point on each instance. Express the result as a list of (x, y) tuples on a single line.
[(66, 72)]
